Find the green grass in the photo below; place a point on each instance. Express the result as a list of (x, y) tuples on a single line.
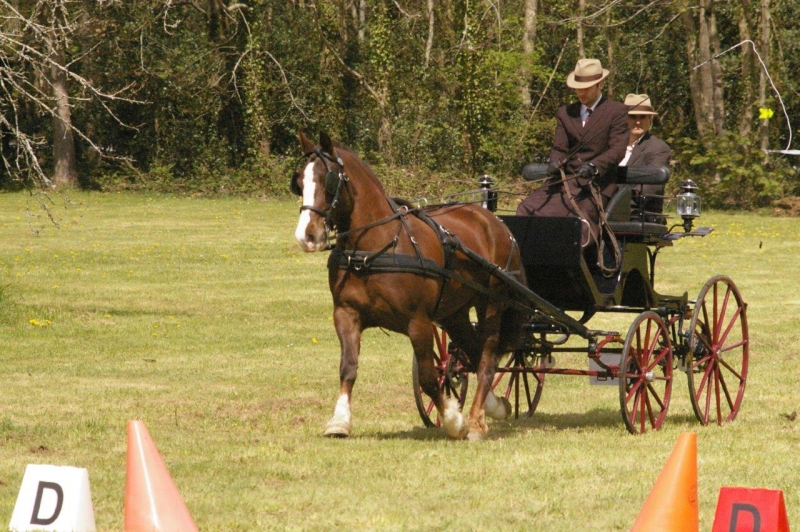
[(204, 320)]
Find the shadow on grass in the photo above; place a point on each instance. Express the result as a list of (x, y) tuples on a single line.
[(598, 418)]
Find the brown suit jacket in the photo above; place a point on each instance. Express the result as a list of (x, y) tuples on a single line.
[(650, 151), (602, 141)]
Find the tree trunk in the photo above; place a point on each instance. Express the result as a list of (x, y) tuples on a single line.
[(64, 170), (528, 44), (746, 68), (429, 41), (718, 96), (706, 71), (610, 54), (695, 82), (763, 130), (581, 13)]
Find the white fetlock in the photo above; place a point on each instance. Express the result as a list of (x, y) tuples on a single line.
[(454, 423), (496, 407), (339, 425)]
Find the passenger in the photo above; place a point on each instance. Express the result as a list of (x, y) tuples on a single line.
[(590, 139), (644, 149)]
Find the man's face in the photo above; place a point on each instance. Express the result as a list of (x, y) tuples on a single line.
[(589, 95), (639, 124)]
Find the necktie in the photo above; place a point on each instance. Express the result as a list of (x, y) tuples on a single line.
[(588, 115)]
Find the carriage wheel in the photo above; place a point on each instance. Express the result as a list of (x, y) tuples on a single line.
[(645, 374), (718, 351), (532, 382), (452, 379)]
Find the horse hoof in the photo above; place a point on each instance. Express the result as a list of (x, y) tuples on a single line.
[(497, 407), (475, 436), (506, 407), (337, 430)]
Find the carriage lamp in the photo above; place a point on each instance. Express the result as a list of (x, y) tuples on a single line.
[(688, 204), (488, 196)]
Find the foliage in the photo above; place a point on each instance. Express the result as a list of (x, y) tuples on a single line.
[(731, 172), (213, 91)]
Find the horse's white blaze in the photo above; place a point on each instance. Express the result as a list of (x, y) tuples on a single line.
[(454, 423), (309, 191)]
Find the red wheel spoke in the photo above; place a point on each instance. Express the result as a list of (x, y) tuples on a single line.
[(655, 361), (731, 369), (720, 317), (734, 346), (724, 386), (721, 339), (655, 395)]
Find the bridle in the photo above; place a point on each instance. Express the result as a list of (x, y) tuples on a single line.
[(335, 181)]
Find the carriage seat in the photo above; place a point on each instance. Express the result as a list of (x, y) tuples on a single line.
[(630, 212), (627, 210)]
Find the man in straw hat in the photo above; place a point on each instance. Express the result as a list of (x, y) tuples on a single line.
[(644, 149), (590, 140)]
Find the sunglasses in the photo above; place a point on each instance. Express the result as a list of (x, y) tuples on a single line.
[(638, 117)]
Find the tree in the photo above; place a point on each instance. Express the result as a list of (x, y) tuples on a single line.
[(34, 43)]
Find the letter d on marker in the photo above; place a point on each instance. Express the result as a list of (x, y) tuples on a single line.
[(36, 519), (55, 498)]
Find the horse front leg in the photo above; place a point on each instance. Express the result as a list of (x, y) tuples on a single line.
[(453, 423), (348, 329)]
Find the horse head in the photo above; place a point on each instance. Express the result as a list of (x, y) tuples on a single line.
[(324, 188)]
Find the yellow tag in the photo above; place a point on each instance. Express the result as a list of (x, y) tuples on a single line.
[(764, 113)]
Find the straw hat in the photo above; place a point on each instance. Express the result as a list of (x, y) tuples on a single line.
[(587, 72), (639, 104)]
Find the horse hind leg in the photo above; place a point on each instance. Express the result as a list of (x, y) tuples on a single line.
[(485, 402), (453, 422)]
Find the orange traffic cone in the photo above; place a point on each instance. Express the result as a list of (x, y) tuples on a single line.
[(152, 502), (672, 504)]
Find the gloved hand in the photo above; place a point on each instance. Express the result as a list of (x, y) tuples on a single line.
[(587, 171), (553, 169)]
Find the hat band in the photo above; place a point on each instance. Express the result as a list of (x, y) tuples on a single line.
[(593, 77), (645, 108)]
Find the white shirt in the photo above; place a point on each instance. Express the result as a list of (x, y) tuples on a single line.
[(585, 110), (629, 151)]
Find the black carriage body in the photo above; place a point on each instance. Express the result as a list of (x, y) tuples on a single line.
[(556, 268)]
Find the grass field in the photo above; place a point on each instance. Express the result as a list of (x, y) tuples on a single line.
[(203, 319)]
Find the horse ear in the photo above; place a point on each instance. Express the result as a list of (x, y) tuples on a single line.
[(306, 144), (325, 142)]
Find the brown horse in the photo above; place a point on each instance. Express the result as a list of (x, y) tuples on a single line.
[(403, 269)]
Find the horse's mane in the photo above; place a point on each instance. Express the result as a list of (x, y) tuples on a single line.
[(362, 162)]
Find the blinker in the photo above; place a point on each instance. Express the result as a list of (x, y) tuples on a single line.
[(294, 186), (331, 182)]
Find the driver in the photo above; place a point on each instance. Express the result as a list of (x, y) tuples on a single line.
[(591, 139)]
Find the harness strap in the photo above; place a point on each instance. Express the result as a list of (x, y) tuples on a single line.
[(381, 262)]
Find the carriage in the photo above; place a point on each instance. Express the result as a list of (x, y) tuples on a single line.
[(501, 297), (706, 338)]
